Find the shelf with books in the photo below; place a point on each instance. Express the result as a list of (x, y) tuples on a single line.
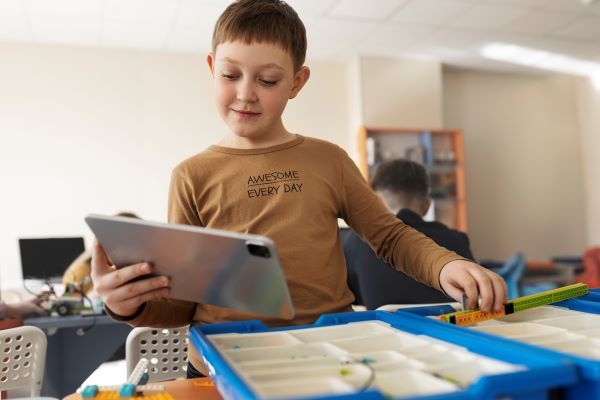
[(441, 151)]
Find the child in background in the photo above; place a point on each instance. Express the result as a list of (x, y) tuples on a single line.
[(403, 185), (263, 179), (78, 273)]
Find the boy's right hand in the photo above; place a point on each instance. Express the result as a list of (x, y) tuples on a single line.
[(114, 286)]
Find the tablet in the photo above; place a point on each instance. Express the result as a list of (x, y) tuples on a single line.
[(210, 266)]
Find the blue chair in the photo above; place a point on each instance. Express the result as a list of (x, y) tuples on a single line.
[(526, 290), (512, 272)]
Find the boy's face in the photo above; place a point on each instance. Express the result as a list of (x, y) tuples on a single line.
[(253, 83)]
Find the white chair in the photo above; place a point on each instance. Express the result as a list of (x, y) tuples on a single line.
[(22, 359), (165, 350)]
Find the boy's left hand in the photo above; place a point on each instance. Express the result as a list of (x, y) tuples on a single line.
[(460, 276)]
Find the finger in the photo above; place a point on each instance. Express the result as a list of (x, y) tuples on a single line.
[(100, 264), (40, 311), (469, 287), (134, 303), (486, 289), (500, 292), (138, 288), (121, 276), (455, 292), (462, 283)]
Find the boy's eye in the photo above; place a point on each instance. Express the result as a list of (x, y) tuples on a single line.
[(229, 77), (267, 82)]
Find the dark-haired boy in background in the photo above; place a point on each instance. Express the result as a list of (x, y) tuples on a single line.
[(403, 186)]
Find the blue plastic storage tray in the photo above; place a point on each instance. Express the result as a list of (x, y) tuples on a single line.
[(588, 386), (540, 370), (593, 295)]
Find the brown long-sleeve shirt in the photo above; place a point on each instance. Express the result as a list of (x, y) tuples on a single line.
[(292, 193)]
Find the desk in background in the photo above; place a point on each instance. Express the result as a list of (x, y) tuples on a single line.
[(70, 357), (560, 271), (183, 389)]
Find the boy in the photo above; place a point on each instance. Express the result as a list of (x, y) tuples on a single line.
[(403, 186), (265, 180)]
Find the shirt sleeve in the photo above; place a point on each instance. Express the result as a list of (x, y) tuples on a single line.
[(159, 313), (169, 313), (398, 244), (182, 200)]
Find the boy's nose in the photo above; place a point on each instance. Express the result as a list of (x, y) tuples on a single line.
[(246, 92)]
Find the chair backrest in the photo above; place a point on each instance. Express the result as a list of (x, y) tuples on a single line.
[(22, 358), (512, 271), (165, 350)]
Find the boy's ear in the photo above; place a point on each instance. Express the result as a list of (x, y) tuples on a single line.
[(300, 80), (425, 205), (210, 60)]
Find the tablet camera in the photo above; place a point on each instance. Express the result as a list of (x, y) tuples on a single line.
[(258, 250)]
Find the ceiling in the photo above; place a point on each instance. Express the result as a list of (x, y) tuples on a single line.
[(452, 31)]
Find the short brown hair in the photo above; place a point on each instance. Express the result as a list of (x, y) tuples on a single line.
[(403, 177), (270, 21)]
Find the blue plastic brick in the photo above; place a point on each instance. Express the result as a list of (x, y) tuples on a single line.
[(89, 392), (127, 390), (544, 369)]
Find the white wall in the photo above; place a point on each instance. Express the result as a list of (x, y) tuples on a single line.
[(401, 93), (355, 103), (588, 105), (95, 130), (523, 162)]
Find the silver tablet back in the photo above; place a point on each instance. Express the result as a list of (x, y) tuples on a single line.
[(208, 266)]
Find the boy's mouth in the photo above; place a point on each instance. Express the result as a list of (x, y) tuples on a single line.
[(245, 113)]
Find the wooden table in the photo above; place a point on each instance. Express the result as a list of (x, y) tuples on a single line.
[(182, 389), (10, 323)]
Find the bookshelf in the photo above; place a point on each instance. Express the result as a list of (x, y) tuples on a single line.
[(441, 151)]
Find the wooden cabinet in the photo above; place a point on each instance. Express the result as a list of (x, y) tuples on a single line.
[(441, 151)]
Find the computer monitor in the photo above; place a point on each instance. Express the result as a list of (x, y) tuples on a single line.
[(48, 258)]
